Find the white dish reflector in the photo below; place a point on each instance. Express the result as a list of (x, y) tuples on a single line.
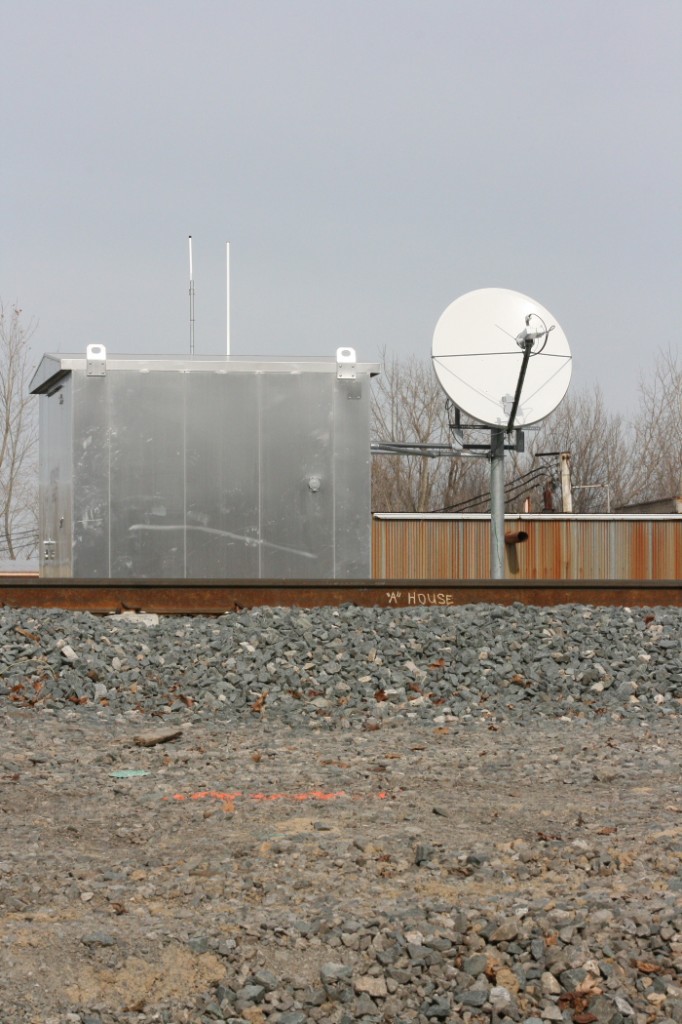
[(478, 351)]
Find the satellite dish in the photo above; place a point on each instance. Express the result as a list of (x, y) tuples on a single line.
[(501, 357)]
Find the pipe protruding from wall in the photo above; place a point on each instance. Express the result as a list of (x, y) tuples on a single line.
[(518, 537)]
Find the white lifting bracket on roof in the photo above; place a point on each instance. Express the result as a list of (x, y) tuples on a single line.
[(346, 364), (95, 361)]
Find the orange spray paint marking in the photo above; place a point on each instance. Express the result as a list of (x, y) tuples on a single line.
[(212, 793), (229, 798), (226, 799)]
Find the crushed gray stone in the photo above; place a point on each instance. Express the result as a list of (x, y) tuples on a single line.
[(538, 920)]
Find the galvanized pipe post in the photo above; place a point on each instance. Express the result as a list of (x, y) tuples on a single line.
[(566, 495), (497, 503), (191, 300)]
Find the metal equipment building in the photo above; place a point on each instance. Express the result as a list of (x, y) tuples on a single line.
[(201, 467)]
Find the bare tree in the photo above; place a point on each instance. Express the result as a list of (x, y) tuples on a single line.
[(18, 438), (602, 470), (409, 406), (658, 431), (611, 463)]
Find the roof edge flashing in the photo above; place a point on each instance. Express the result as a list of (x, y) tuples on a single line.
[(56, 365)]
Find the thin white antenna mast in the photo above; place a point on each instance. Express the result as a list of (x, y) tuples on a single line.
[(227, 261), (191, 301)]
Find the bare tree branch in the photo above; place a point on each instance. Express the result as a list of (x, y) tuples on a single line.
[(18, 437), (409, 406), (658, 431), (600, 447)]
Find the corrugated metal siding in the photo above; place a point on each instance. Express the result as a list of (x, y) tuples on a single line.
[(558, 547)]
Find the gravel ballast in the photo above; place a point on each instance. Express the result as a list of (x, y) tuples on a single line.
[(342, 814)]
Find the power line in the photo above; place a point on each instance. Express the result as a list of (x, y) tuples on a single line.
[(514, 489)]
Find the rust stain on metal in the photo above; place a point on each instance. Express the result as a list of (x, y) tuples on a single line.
[(516, 537), (181, 597), (558, 548), (424, 562)]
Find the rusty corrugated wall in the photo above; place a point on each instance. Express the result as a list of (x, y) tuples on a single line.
[(558, 547)]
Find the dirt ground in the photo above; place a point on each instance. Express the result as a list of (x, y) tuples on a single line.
[(123, 892)]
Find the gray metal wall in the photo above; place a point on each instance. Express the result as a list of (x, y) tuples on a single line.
[(197, 474), (56, 480)]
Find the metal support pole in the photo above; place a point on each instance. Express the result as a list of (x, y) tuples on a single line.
[(191, 300), (227, 281), (566, 496), (497, 504)]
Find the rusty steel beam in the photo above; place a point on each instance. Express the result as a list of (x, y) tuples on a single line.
[(215, 597)]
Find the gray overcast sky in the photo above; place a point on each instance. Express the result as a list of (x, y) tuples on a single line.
[(368, 160)]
